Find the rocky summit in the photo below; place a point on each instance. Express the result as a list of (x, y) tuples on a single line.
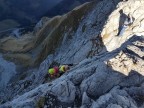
[(108, 58)]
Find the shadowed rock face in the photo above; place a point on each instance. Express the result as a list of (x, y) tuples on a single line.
[(109, 68)]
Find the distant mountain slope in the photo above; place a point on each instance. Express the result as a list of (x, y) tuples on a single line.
[(26, 12)]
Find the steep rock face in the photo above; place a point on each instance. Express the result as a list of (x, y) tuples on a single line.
[(93, 83), (7, 70), (110, 77)]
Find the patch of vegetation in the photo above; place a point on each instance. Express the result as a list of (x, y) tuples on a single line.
[(22, 59), (40, 103)]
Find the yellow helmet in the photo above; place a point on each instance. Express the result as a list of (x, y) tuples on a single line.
[(62, 68), (51, 71)]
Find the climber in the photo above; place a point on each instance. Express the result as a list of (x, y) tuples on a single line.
[(125, 21), (58, 71), (54, 71), (63, 69)]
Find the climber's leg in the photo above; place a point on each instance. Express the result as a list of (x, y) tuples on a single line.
[(122, 31)]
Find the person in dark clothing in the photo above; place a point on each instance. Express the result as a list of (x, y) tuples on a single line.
[(124, 22)]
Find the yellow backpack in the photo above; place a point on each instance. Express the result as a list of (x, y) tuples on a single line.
[(62, 68)]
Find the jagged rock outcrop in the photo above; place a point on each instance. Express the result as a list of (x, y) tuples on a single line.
[(109, 70)]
